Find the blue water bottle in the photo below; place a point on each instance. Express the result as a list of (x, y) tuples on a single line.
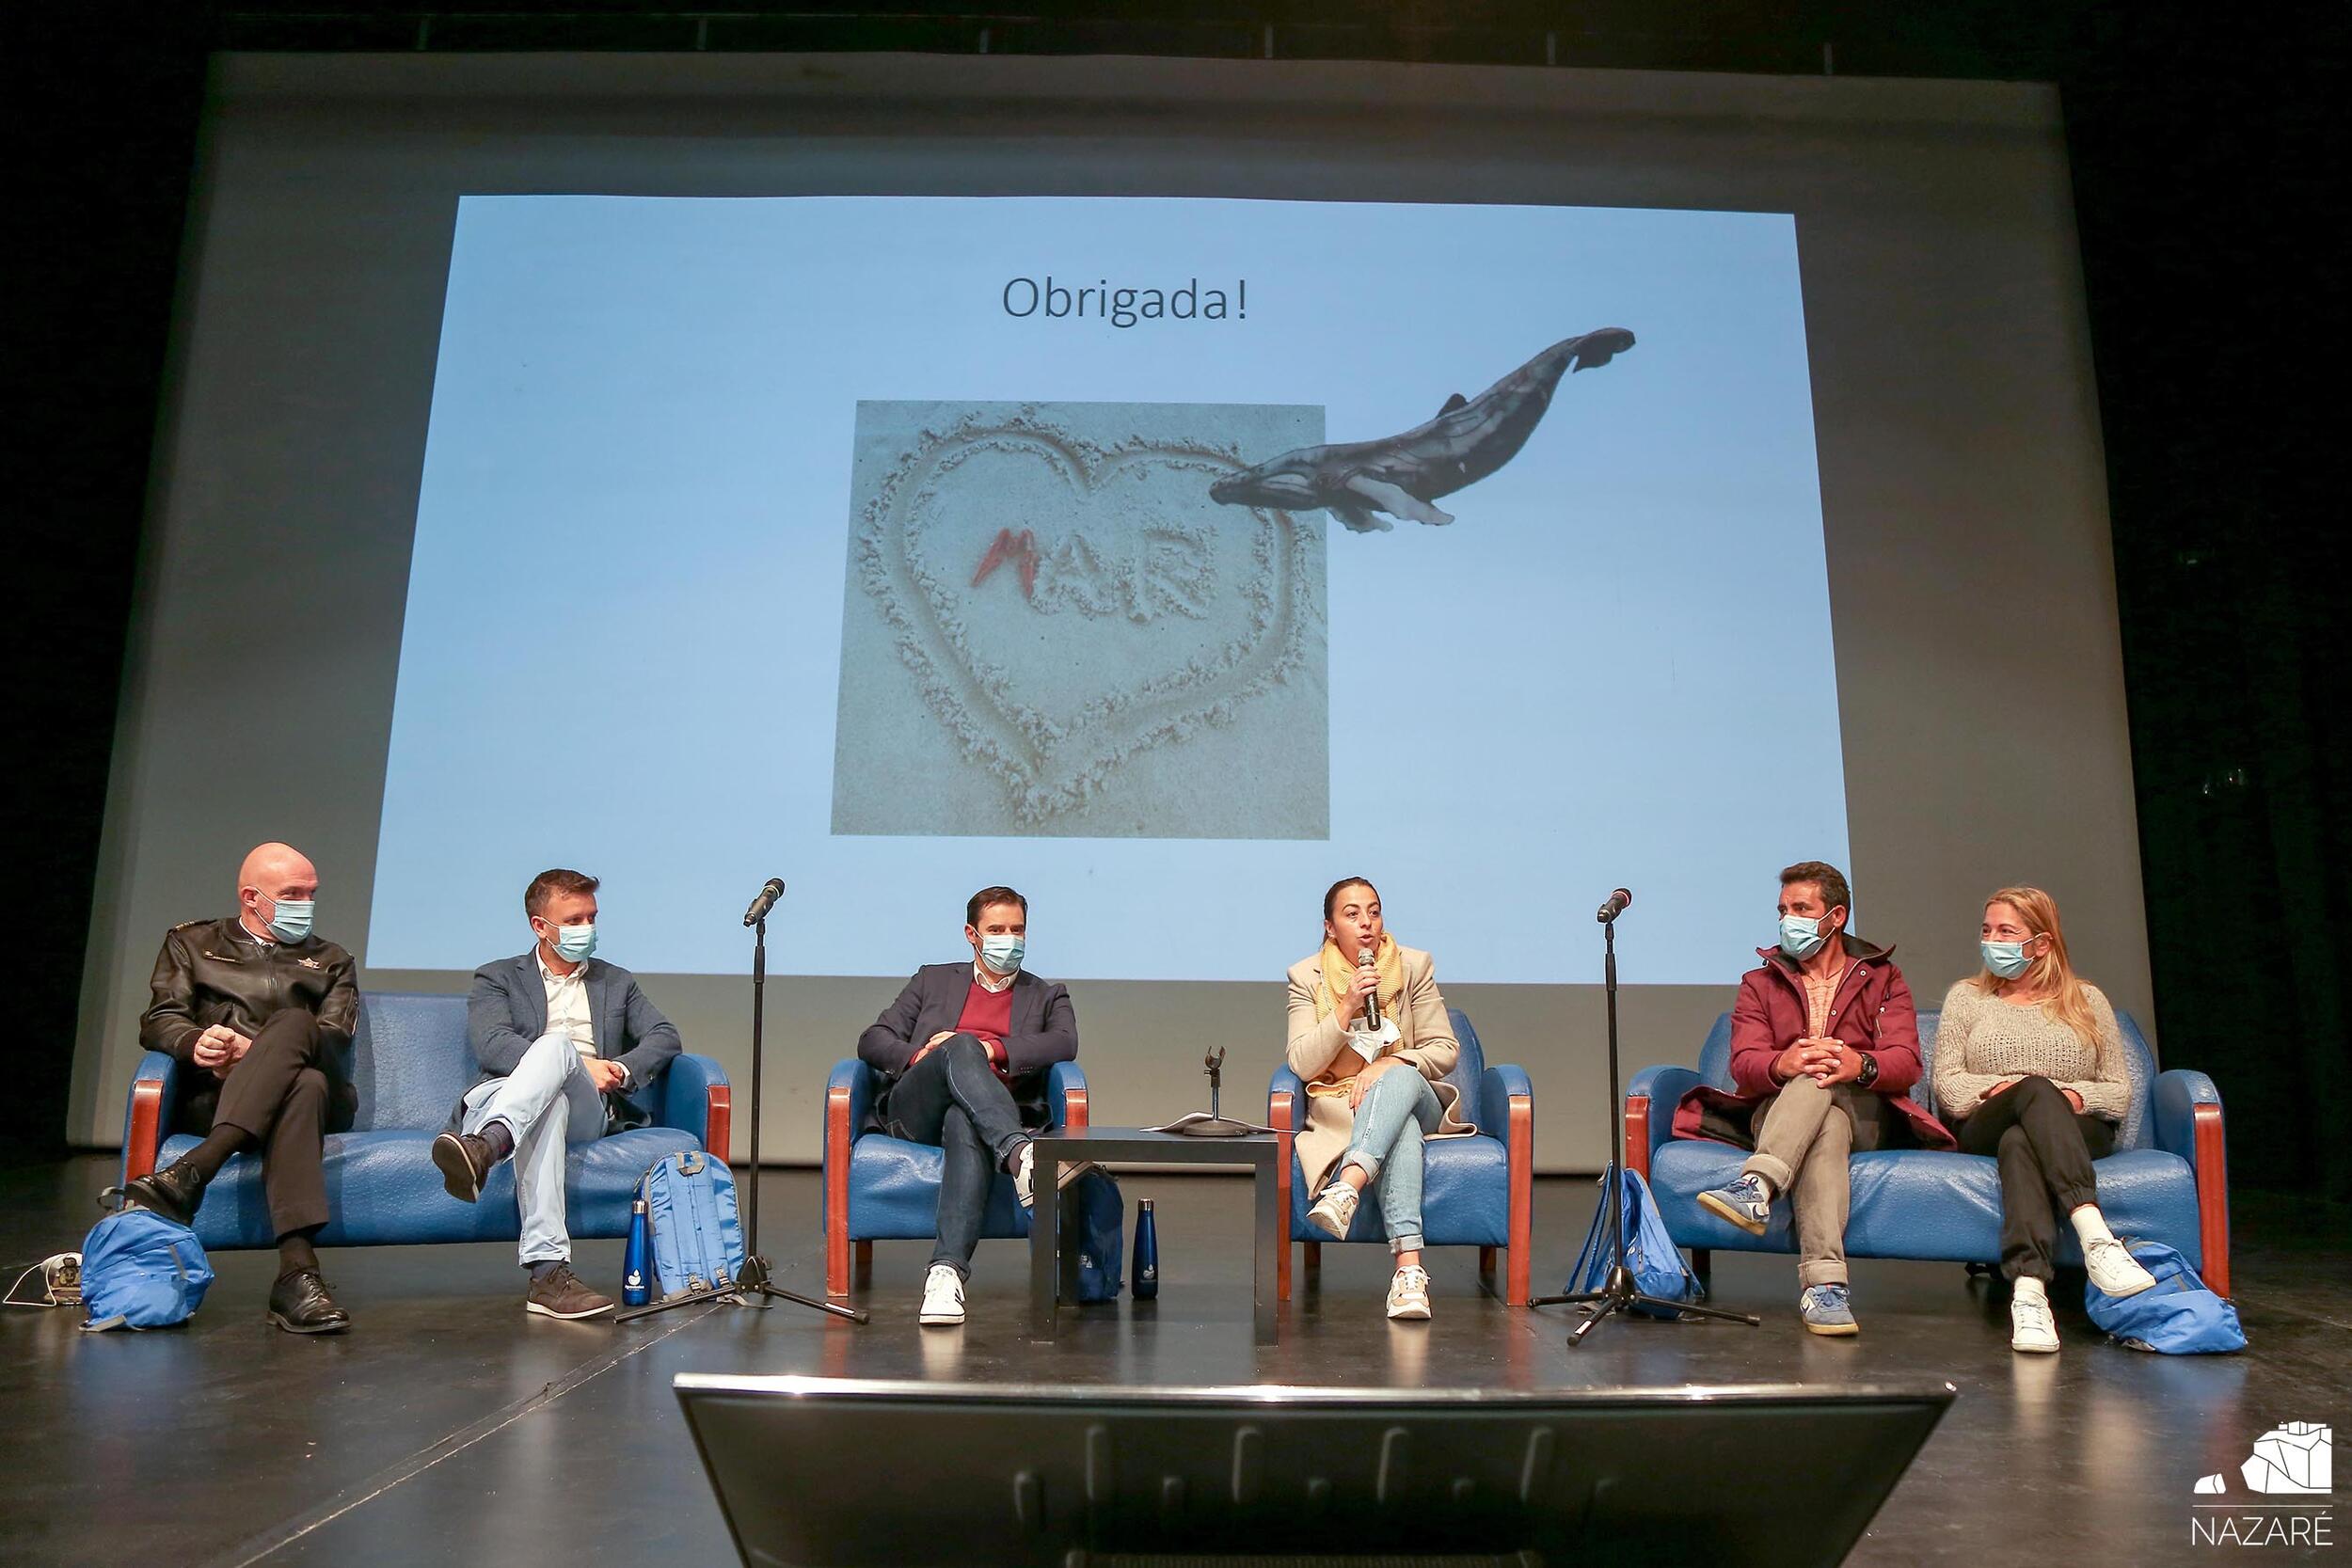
[(636, 1287), (1145, 1280)]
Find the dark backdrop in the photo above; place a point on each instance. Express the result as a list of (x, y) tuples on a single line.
[(2207, 160)]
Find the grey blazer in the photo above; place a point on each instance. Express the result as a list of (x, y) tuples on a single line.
[(507, 1010)]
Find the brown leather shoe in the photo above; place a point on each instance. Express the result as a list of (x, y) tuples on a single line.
[(560, 1293), (464, 1161)]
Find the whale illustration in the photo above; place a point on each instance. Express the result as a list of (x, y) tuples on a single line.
[(1470, 437)]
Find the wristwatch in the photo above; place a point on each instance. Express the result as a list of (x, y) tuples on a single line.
[(1869, 1073)]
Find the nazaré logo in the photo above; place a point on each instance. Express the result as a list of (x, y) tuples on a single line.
[(2292, 1461), (2297, 1458)]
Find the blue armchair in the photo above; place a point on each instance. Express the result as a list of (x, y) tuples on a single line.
[(411, 1063), (877, 1188), (2166, 1181), (1477, 1191)]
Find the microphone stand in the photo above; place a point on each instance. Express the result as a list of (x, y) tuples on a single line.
[(754, 1277), (1618, 1292)]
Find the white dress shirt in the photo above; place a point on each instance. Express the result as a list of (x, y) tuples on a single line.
[(567, 1007)]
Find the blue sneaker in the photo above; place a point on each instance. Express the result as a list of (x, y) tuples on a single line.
[(1827, 1309), (1742, 1203)]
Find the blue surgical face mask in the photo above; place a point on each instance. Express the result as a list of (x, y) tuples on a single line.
[(574, 943), (290, 918), (1800, 937), (1002, 954), (2006, 959)]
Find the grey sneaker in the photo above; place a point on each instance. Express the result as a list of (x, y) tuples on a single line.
[(1827, 1309), (561, 1294), (1743, 1202)]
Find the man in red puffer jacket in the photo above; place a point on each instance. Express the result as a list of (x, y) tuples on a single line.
[(1824, 1042)]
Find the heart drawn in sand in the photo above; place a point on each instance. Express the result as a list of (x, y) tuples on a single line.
[(1137, 610)]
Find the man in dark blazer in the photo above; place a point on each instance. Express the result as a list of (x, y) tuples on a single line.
[(562, 1040), (965, 1051)]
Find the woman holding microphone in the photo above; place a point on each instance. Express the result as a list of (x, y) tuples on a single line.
[(1370, 1037)]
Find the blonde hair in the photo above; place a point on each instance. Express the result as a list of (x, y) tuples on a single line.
[(2052, 973)]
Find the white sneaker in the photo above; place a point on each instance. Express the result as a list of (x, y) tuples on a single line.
[(2114, 1270), (1409, 1292), (2030, 1326), (943, 1298), (1335, 1210), (1022, 1164)]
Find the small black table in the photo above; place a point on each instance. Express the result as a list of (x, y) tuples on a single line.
[(1107, 1145)]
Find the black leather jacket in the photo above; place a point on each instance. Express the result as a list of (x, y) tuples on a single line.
[(217, 972)]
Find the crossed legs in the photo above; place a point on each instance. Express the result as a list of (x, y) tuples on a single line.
[(953, 1098)]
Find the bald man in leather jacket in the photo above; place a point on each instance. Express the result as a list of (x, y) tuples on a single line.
[(259, 1013)]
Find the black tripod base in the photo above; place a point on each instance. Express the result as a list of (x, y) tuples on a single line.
[(1619, 1296), (751, 1281)]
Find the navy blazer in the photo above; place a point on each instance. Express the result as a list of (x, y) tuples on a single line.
[(507, 1010), (1045, 1028)]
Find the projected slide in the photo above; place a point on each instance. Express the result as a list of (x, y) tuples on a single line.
[(1165, 557)]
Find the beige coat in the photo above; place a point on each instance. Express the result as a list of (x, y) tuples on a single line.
[(1315, 1042)]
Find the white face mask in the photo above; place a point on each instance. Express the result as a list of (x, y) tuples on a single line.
[(290, 918), (574, 943), (1800, 937)]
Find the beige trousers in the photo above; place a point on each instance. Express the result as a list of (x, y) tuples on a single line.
[(1803, 1137)]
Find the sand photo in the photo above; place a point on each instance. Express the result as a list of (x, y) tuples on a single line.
[(1049, 628)]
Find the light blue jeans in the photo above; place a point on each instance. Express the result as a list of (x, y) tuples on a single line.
[(1398, 1111), (548, 1102)]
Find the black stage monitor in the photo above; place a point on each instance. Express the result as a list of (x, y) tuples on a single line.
[(844, 1472)]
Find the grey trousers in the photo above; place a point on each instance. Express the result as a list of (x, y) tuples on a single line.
[(1803, 1136)]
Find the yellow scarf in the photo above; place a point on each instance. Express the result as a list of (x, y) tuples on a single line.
[(1339, 973)]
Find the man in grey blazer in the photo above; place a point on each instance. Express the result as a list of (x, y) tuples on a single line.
[(965, 1052), (561, 1038)]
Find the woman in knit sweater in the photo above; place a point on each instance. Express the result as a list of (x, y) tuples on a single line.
[(2030, 1068)]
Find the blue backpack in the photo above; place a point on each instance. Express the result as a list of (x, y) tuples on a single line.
[(2179, 1315), (140, 1270), (1094, 1223), (1650, 1252), (690, 1210)]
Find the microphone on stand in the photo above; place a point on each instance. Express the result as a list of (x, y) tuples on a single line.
[(1371, 998), (1614, 906), (766, 901)]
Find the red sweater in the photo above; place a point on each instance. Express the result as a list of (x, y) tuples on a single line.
[(989, 1015)]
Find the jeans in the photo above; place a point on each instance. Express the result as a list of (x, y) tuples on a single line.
[(1398, 1111), (548, 1102), (1803, 1136), (2044, 1151), (953, 1100)]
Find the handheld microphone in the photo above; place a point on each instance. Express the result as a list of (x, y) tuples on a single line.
[(1371, 998), (1614, 906), (766, 901)]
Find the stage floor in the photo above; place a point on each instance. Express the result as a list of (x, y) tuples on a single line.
[(450, 1426)]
